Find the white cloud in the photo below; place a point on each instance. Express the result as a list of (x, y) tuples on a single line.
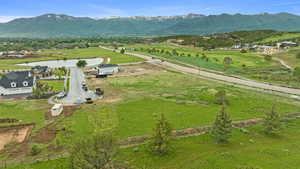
[(4, 19)]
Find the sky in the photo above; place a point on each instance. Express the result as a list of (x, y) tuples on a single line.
[(11, 9)]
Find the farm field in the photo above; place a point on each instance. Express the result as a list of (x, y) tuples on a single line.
[(60, 54), (245, 150)]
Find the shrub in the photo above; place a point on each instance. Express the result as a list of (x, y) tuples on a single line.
[(81, 63), (243, 51), (35, 150), (268, 57)]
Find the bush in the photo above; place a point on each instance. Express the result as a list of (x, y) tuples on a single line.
[(268, 57), (81, 63), (35, 150), (243, 51)]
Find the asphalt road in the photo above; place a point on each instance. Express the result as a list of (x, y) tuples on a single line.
[(76, 93), (225, 78)]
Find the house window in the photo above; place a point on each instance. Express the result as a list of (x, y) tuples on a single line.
[(13, 84), (25, 83)]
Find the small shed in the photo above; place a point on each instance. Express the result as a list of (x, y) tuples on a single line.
[(56, 110)]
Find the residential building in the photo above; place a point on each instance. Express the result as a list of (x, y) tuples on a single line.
[(15, 83), (107, 69)]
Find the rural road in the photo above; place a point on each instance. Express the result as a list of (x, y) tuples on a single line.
[(221, 77)]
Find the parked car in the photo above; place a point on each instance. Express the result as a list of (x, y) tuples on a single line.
[(89, 101), (85, 88), (99, 92), (61, 95)]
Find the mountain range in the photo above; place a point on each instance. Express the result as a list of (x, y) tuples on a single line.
[(54, 25)]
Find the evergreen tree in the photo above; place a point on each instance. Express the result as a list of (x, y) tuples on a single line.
[(272, 124), (221, 130), (160, 141)]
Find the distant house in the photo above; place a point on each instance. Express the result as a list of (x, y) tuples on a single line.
[(17, 83), (107, 69), (286, 44), (41, 71)]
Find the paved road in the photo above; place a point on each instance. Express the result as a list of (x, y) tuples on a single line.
[(76, 93), (221, 77)]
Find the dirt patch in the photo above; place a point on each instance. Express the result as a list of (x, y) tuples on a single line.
[(46, 134), (14, 134), (137, 70), (9, 120), (70, 110), (67, 112)]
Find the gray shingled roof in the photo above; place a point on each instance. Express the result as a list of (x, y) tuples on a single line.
[(107, 65), (17, 77)]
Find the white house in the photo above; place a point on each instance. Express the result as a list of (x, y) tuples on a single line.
[(15, 83), (107, 69)]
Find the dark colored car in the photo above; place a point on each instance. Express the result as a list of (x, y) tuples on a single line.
[(99, 92), (89, 101)]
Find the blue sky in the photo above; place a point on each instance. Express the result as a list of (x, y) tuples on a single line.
[(10, 9)]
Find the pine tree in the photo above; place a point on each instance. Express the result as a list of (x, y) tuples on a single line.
[(160, 142), (221, 130), (272, 124)]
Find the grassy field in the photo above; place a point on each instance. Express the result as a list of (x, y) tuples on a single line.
[(187, 102), (282, 37), (58, 85), (26, 111), (216, 57), (245, 150), (249, 65), (61, 54)]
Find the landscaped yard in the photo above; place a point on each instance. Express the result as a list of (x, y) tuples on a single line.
[(58, 85)]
